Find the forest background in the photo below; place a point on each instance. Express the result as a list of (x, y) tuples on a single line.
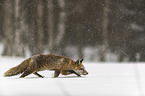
[(97, 30)]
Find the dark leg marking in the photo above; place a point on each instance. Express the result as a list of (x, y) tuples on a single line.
[(38, 75)]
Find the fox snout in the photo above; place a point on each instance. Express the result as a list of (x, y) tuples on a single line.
[(85, 73), (81, 72)]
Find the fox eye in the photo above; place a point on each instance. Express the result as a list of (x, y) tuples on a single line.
[(81, 69), (77, 62)]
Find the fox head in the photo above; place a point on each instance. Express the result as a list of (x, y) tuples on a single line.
[(79, 68)]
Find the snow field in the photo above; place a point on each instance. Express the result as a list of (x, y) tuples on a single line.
[(104, 79)]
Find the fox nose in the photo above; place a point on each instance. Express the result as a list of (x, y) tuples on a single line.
[(86, 73)]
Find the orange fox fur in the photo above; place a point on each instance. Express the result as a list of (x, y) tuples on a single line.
[(59, 64)]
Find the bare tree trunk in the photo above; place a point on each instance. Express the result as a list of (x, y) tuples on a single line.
[(61, 22), (8, 28), (32, 19), (105, 30), (40, 26), (54, 41), (59, 46), (32, 44), (50, 26), (18, 45)]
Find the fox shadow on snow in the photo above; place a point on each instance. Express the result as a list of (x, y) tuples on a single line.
[(54, 78), (48, 77)]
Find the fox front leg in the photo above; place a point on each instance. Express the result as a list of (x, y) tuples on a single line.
[(72, 71), (67, 72)]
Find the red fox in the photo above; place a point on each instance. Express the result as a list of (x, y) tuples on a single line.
[(60, 64)]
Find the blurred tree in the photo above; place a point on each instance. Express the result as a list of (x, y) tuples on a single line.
[(61, 27), (18, 49), (1, 19), (32, 18), (8, 28), (53, 25), (50, 26), (103, 49), (126, 28), (40, 28)]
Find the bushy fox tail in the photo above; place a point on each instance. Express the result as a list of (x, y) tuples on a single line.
[(18, 69)]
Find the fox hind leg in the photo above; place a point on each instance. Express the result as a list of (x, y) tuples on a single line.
[(26, 73), (38, 75), (56, 73)]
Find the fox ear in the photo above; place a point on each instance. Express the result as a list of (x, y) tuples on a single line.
[(78, 62), (81, 60)]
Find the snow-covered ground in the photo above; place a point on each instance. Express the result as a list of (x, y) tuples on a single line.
[(104, 79)]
